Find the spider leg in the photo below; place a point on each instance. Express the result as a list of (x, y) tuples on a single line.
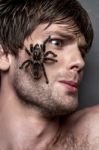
[(28, 64), (50, 59), (31, 48), (25, 64), (43, 47), (28, 51), (45, 74), (50, 52), (48, 39)]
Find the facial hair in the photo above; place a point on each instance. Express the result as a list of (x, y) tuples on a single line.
[(36, 93)]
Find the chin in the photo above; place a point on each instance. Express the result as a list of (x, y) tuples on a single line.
[(61, 109)]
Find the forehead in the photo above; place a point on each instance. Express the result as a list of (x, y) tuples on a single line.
[(44, 30)]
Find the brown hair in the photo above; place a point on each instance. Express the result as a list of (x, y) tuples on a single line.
[(18, 19)]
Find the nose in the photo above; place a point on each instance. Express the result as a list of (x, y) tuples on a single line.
[(77, 62)]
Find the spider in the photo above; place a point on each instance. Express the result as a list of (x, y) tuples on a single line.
[(39, 56)]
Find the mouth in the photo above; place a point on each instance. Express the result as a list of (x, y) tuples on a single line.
[(70, 85)]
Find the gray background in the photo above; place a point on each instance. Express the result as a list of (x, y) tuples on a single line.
[(89, 89)]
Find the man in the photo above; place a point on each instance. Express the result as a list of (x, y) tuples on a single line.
[(43, 44)]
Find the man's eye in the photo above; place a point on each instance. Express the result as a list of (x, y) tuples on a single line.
[(56, 42)]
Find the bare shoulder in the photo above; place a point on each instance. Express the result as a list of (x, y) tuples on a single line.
[(88, 115), (91, 120), (85, 123)]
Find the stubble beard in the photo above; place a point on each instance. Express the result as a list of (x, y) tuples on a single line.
[(38, 94)]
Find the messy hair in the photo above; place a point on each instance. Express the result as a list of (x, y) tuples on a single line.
[(18, 19)]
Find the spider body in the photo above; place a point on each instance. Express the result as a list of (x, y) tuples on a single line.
[(38, 56)]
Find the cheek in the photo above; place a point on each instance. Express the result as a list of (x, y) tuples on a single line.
[(81, 75), (53, 68), (51, 72), (54, 71)]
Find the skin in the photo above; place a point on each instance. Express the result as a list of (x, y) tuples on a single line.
[(30, 110)]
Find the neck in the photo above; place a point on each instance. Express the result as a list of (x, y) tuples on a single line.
[(23, 127)]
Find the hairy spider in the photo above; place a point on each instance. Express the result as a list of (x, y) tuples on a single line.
[(39, 56)]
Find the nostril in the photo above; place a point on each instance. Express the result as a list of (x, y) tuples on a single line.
[(74, 67), (77, 66)]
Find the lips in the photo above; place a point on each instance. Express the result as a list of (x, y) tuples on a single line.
[(73, 86), (71, 83)]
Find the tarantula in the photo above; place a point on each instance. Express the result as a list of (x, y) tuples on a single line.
[(39, 56)]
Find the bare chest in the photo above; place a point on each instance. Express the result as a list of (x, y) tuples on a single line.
[(71, 143)]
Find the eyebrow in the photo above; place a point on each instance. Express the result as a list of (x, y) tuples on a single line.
[(63, 35)]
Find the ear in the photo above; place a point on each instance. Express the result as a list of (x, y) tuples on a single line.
[(5, 60)]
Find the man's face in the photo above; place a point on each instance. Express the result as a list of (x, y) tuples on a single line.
[(60, 96)]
